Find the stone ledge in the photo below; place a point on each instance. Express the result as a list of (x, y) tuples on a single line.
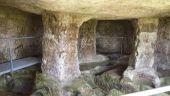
[(98, 60)]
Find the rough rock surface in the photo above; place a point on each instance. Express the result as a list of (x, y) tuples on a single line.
[(21, 84), (143, 58), (162, 51), (15, 23), (101, 9), (87, 45), (144, 49), (82, 88), (87, 41), (115, 92), (145, 76), (46, 86), (108, 82), (115, 36), (60, 54)]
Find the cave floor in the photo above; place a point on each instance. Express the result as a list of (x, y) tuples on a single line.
[(104, 80)]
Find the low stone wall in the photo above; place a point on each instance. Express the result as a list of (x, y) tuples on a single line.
[(15, 23)]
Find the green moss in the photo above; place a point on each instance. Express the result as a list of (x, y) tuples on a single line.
[(82, 88), (115, 92), (3, 57), (136, 86), (45, 86), (165, 81), (107, 82), (21, 82), (76, 84), (111, 81), (89, 78), (3, 84)]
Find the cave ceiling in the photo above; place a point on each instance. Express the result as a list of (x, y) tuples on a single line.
[(99, 9)]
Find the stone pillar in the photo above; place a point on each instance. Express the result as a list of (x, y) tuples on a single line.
[(143, 59), (87, 41), (60, 54), (145, 43), (87, 45)]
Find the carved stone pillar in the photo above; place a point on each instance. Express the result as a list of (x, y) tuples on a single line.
[(60, 54)]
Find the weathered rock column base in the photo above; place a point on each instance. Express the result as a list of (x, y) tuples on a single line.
[(143, 57), (142, 76)]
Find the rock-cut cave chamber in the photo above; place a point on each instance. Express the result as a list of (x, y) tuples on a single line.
[(44, 52)]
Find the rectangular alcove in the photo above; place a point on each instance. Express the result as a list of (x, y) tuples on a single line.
[(115, 39)]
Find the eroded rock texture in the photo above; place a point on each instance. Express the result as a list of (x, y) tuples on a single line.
[(60, 54), (146, 36), (87, 41), (145, 76), (114, 36), (100, 9), (144, 56), (15, 23), (88, 58), (162, 51)]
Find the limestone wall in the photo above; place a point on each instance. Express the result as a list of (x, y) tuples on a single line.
[(15, 23), (107, 31)]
